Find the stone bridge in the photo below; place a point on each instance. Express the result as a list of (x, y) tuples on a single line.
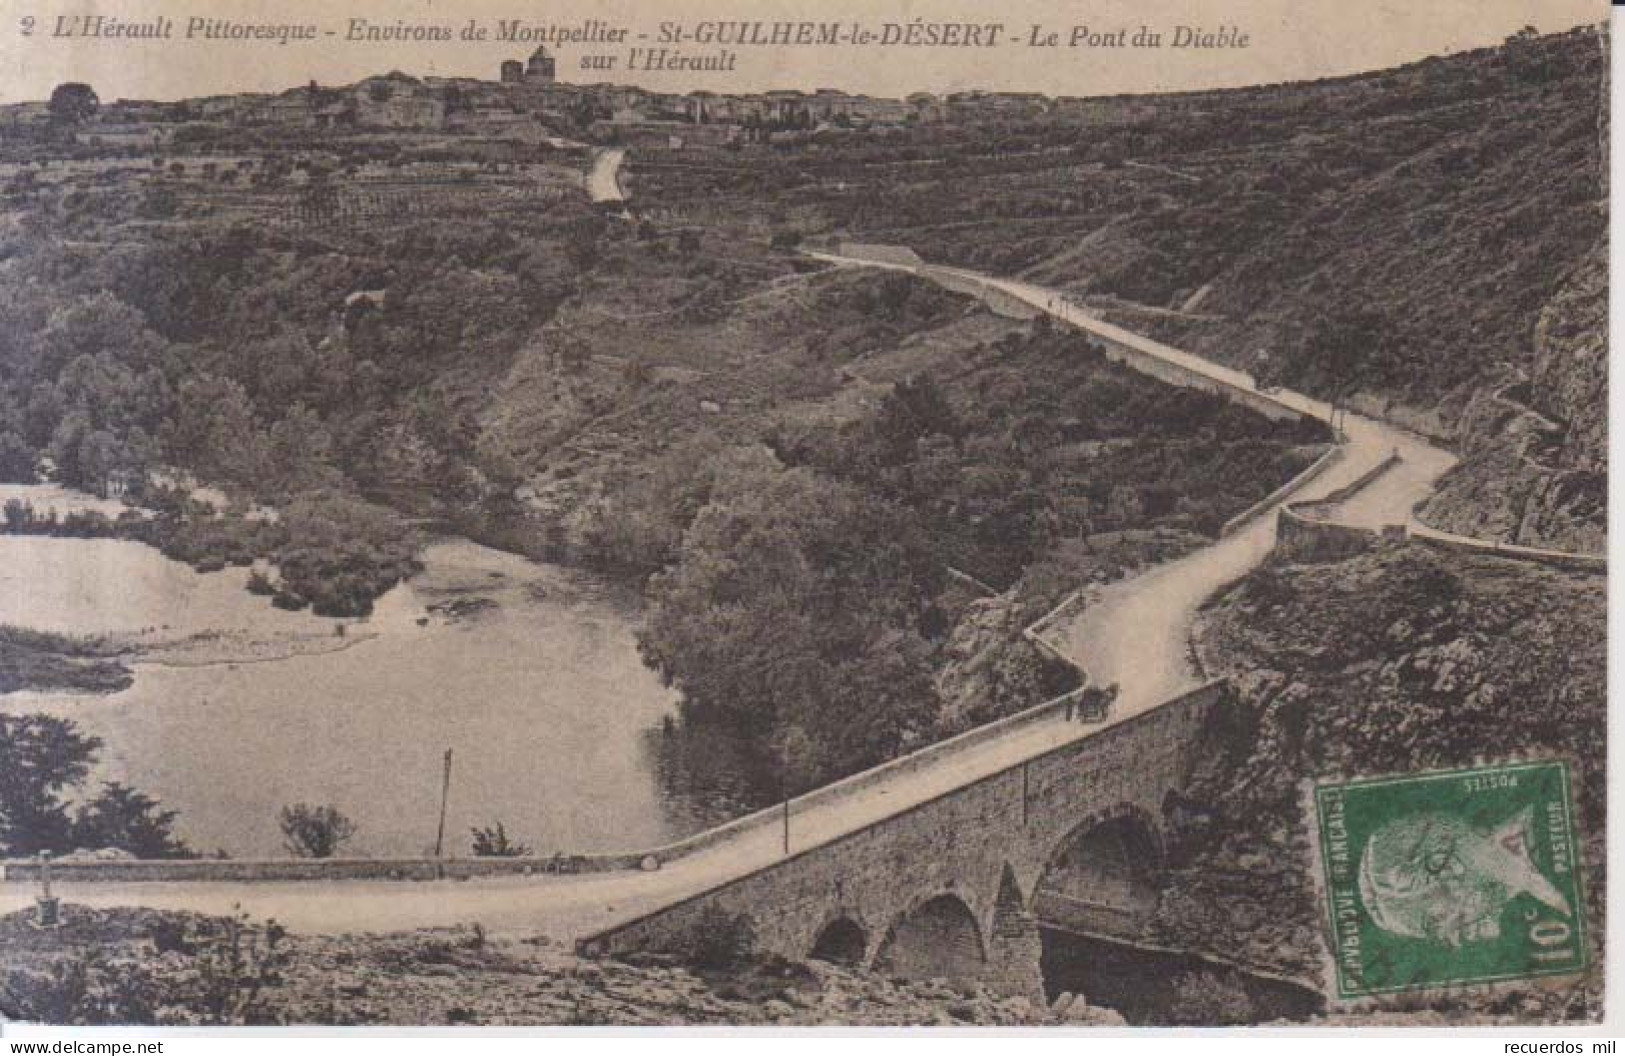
[(958, 886)]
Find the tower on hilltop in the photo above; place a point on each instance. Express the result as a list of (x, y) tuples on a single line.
[(541, 67)]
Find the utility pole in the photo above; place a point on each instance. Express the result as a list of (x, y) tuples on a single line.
[(445, 789), (784, 795)]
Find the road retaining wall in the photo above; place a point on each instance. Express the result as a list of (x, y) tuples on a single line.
[(897, 256), (1301, 534), (1572, 562), (1326, 461)]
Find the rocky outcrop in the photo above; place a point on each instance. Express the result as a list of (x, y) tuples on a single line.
[(989, 670), (1535, 454), (1397, 661), (1569, 375), (127, 966)]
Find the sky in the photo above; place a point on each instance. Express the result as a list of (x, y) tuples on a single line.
[(1287, 40)]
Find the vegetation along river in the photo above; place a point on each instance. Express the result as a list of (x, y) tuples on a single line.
[(528, 672)]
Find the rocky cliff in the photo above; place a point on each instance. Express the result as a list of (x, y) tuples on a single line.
[(1534, 467), (990, 670)]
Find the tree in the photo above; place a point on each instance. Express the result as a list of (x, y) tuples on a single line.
[(1354, 347), (213, 431), (73, 102), (341, 552), (41, 757), (315, 831), (16, 460), (790, 616), (129, 820), (93, 325), (914, 409), (494, 843), (300, 452), (103, 459), (18, 516)]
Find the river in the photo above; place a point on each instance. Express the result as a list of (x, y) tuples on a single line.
[(1163, 988), (239, 708)]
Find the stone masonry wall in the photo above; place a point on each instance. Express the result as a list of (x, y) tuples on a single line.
[(972, 844)]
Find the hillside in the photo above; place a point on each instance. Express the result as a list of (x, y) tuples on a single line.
[(1415, 272), (1401, 660), (521, 367), (1534, 467), (1391, 237)]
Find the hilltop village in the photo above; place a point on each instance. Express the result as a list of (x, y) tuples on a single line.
[(526, 102)]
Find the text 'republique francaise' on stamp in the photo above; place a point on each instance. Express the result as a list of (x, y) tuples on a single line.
[(1450, 878)]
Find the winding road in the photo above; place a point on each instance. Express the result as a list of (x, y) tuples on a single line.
[(1135, 633)]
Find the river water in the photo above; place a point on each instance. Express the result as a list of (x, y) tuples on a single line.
[(533, 680), (1162, 988)]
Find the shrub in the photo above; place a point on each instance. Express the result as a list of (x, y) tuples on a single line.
[(288, 600), (235, 973), (168, 935), (315, 831), (494, 843)]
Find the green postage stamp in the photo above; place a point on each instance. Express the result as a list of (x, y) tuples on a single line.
[(1451, 878)]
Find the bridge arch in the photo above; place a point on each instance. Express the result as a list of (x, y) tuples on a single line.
[(938, 938), (841, 940), (1101, 877)]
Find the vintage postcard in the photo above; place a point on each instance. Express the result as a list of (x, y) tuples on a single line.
[(1045, 515)]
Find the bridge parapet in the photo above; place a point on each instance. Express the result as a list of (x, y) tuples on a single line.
[(127, 870), (985, 844)]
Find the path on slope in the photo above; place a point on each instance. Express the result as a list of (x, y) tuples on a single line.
[(1134, 633), (604, 181)]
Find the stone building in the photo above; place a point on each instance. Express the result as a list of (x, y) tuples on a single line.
[(541, 67), (396, 100), (540, 70)]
